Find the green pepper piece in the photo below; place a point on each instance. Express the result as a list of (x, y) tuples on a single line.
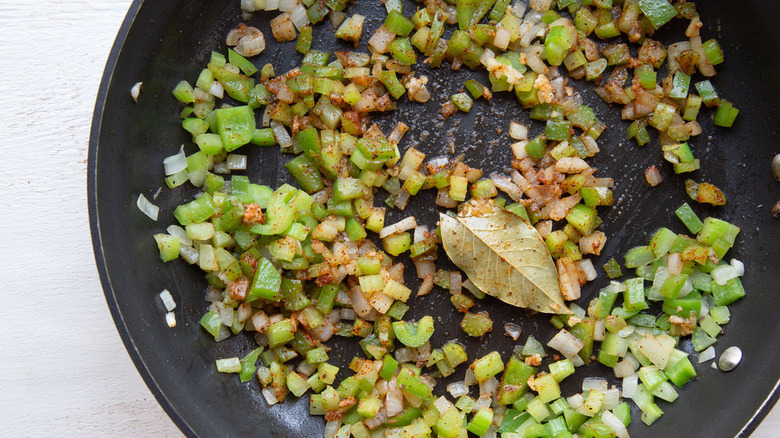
[(248, 365), (266, 283), (239, 61), (414, 334), (658, 12), (235, 126)]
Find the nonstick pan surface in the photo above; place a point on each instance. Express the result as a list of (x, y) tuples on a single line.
[(161, 43)]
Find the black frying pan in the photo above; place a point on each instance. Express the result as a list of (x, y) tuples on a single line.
[(163, 42)]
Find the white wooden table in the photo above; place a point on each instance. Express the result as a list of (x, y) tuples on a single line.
[(63, 368)]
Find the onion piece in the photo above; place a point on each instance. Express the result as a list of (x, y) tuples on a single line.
[(457, 389), (135, 91), (170, 319), (177, 231), (336, 18), (270, 397), (236, 162), (488, 387), (299, 17), (287, 5), (512, 330), (167, 300), (217, 90), (359, 302), (506, 185), (723, 273), (587, 268), (565, 342), (653, 176), (613, 422), (394, 402), (427, 284), (630, 384), (738, 266), (147, 207), (707, 354), (443, 405), (189, 254), (398, 227), (281, 134), (380, 39), (623, 369), (455, 283)]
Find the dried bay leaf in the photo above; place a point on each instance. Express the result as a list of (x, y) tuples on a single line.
[(505, 257)]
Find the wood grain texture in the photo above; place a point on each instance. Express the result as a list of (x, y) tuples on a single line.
[(63, 368)]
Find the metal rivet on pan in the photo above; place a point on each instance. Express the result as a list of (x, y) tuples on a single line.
[(776, 167), (730, 358)]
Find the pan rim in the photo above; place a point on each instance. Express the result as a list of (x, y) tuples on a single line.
[(105, 278), (95, 231)]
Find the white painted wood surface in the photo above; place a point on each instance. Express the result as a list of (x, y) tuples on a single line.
[(63, 368)]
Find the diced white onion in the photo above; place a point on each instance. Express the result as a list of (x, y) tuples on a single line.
[(610, 420), (611, 398), (306, 368), (586, 265), (578, 311), (630, 385), (723, 273), (167, 300), (348, 314), (675, 264), (707, 354), (271, 5), (380, 39), (427, 284), (488, 387), (518, 9), (281, 134), (403, 355), (217, 90), (189, 254), (599, 332), (287, 5), (331, 428), (394, 402), (398, 227), (653, 176), (518, 131), (177, 231), (455, 283), (575, 401), (198, 177), (336, 18), (443, 405), (270, 396), (299, 17), (469, 378), (147, 207), (135, 91), (623, 369), (656, 348), (236, 162), (565, 342), (512, 330), (739, 266), (170, 319), (506, 185), (221, 168), (266, 120), (597, 383), (615, 287), (457, 389)]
